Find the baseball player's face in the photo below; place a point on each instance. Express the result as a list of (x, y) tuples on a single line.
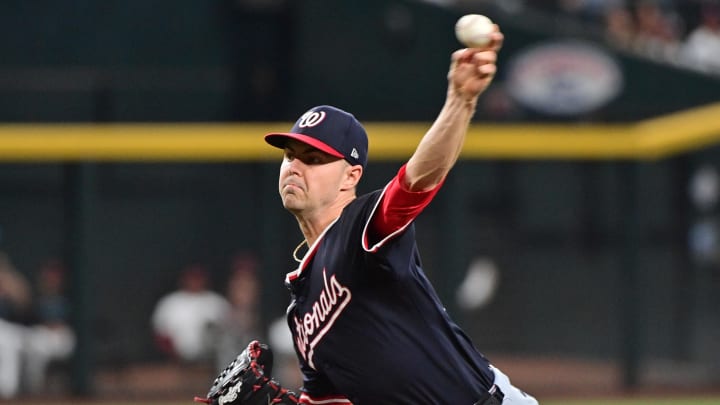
[(309, 178)]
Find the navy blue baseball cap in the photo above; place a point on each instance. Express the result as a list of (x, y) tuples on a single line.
[(329, 129)]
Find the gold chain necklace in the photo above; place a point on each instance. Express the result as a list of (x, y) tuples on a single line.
[(295, 252)]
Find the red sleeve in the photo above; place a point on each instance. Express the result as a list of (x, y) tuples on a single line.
[(398, 207)]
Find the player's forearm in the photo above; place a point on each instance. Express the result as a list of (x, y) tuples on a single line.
[(440, 148)]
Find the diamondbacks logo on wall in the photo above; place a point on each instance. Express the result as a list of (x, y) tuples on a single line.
[(564, 78), (311, 119)]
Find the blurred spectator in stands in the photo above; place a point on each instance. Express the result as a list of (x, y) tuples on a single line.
[(658, 31), (702, 47), (286, 367), (50, 337), (592, 10), (15, 300), (242, 323), (15, 296), (620, 27), (11, 340), (186, 322)]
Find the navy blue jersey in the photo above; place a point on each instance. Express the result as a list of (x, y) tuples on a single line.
[(367, 324)]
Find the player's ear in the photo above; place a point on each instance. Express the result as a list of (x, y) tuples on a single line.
[(352, 176)]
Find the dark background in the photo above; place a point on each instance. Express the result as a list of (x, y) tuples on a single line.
[(554, 228)]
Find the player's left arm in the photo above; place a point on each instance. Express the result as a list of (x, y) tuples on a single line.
[(471, 71)]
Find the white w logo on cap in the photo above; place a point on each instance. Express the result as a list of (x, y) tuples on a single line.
[(311, 119)]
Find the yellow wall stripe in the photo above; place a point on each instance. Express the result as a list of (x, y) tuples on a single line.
[(649, 139)]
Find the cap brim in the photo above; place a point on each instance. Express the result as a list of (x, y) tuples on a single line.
[(278, 140)]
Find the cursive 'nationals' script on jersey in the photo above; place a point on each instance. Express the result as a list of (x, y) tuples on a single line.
[(320, 319)]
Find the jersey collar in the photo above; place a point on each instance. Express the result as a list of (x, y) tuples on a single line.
[(293, 275)]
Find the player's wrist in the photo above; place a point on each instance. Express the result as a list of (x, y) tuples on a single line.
[(461, 102)]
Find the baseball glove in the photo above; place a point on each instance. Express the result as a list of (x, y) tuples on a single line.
[(247, 381)]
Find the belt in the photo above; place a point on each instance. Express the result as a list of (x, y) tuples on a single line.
[(494, 396)]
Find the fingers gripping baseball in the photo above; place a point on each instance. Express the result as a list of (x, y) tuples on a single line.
[(473, 69)]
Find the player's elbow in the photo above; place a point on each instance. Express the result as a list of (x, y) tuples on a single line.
[(424, 182)]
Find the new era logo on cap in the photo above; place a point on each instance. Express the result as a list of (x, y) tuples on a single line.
[(329, 129)]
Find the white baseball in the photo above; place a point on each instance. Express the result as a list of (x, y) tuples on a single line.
[(473, 30)]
